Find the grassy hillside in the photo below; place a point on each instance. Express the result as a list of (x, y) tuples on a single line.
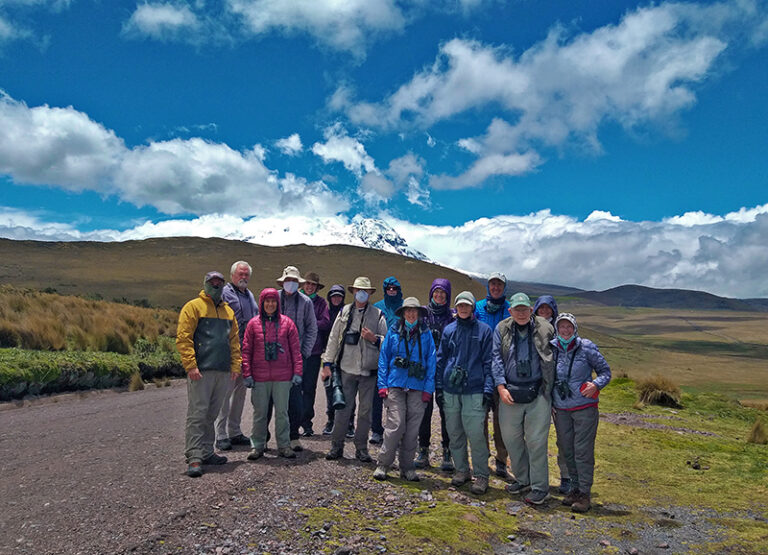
[(168, 272), (640, 296)]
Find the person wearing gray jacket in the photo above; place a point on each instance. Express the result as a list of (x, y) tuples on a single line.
[(575, 396), (353, 347), (523, 373)]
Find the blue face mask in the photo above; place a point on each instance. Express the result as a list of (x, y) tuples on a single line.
[(565, 342), (410, 325)]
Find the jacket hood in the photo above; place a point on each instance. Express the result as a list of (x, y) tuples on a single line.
[(268, 293), (441, 283), (550, 300), (392, 280), (394, 302), (335, 290)]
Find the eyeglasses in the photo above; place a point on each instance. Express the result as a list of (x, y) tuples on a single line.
[(391, 288)]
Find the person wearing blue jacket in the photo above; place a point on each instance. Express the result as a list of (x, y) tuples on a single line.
[(464, 387), (574, 397), (406, 382), (389, 305), (492, 310)]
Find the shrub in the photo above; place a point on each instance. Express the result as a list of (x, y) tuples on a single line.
[(136, 383), (117, 343), (759, 405), (9, 337), (758, 434), (659, 390)]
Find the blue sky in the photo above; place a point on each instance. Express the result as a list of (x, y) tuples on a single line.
[(626, 140)]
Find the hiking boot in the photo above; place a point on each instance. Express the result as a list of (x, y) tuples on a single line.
[(376, 439), (410, 475), (571, 497), (350, 432), (362, 455), (336, 452), (501, 470), (296, 445), (195, 469), (447, 463), (380, 473), (255, 454), (223, 444), (240, 439), (536, 497), (422, 458), (565, 485), (214, 459), (308, 432), (460, 478), (286, 452), (516, 487), (582, 504), (480, 485), (328, 430)]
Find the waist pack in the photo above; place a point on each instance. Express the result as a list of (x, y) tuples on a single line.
[(524, 392)]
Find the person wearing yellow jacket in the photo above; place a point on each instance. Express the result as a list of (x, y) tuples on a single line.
[(208, 341)]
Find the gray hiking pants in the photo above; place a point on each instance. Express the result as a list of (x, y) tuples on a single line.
[(362, 387), (204, 402), (576, 432), (525, 428), (405, 409), (465, 418), (228, 422), (261, 393)]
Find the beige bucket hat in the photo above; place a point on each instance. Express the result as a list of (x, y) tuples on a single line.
[(362, 282), (290, 272), (411, 302)]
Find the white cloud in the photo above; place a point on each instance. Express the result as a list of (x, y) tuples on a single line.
[(375, 188), (161, 21), (63, 147), (340, 147), (405, 167), (418, 194), (290, 145), (597, 215), (640, 71)]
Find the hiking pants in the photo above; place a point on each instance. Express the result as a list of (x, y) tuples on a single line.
[(295, 410), (405, 410), (377, 411), (576, 432), (362, 387), (425, 431), (465, 419), (204, 397), (525, 428), (261, 395), (228, 422), (309, 389)]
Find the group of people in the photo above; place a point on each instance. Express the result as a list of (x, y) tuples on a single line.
[(523, 363)]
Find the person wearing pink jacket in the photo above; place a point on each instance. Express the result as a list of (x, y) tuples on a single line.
[(272, 364)]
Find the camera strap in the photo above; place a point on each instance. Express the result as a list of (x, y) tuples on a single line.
[(417, 336), (528, 341), (570, 364), (350, 316), (277, 328)]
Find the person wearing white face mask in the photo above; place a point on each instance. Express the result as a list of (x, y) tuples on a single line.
[(353, 347)]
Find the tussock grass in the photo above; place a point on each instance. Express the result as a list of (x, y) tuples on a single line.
[(659, 390), (755, 404), (758, 434), (136, 383), (32, 319)]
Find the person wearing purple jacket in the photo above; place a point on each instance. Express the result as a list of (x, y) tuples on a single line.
[(439, 315), (312, 363)]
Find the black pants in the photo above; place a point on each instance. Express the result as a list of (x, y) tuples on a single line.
[(309, 390), (425, 430), (376, 412)]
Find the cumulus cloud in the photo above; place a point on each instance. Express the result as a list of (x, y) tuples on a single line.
[(161, 21), (340, 147), (640, 71), (63, 147), (290, 145)]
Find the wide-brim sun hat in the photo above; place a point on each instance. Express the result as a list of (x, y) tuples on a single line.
[(411, 302), (312, 277), (291, 272), (362, 282)]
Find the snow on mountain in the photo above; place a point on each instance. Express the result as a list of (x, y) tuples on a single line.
[(360, 232)]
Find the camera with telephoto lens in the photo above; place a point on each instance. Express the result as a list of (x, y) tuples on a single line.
[(333, 382), (561, 386), (352, 338), (457, 376), (524, 369), (271, 349)]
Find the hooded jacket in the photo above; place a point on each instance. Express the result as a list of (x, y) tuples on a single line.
[(550, 300), (361, 359), (298, 307), (586, 358), (505, 360), (394, 346), (492, 311), (439, 316), (389, 304), (278, 328), (243, 304), (207, 336), (323, 319), (469, 345), (334, 310)]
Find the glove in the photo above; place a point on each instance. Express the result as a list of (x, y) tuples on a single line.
[(426, 397), (249, 383), (383, 392), (439, 397), (487, 400), (296, 380)]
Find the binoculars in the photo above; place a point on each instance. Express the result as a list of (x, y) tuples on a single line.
[(457, 377), (523, 368), (271, 349), (352, 338), (561, 386), (415, 369), (337, 391)]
